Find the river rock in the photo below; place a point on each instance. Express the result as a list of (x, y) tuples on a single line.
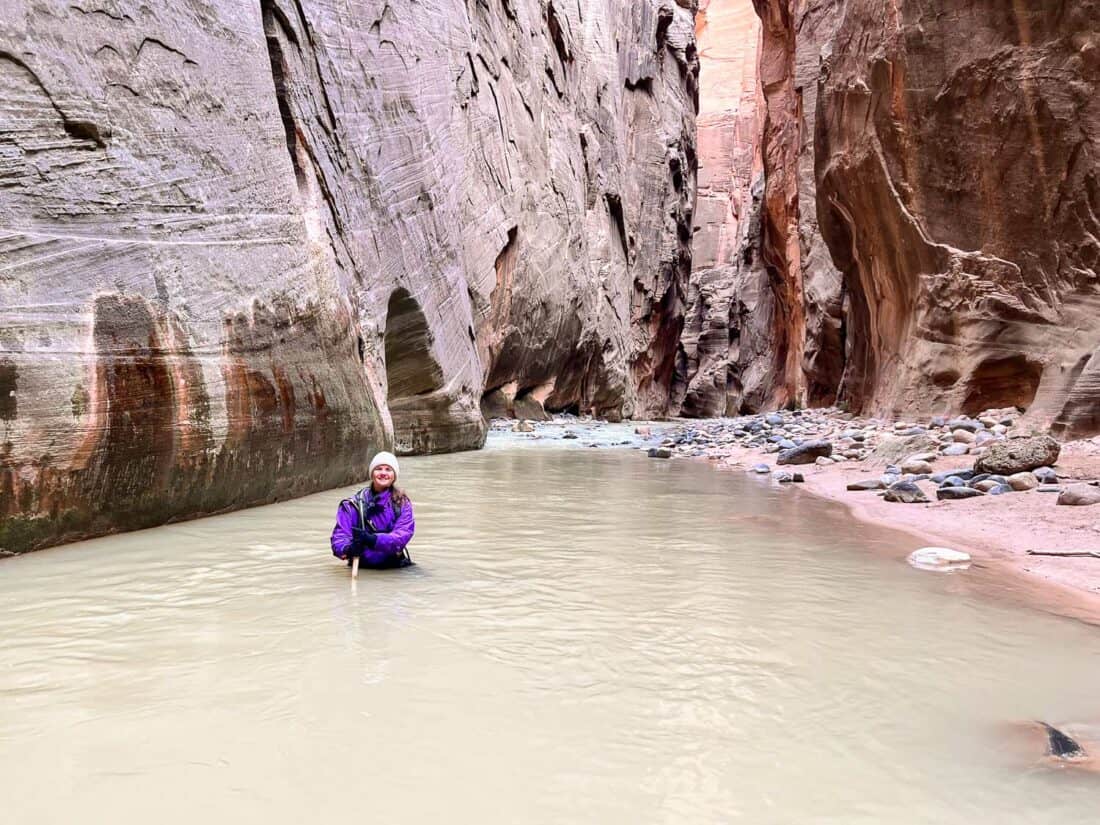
[(939, 559), (1000, 489), (1080, 495), (761, 469), (964, 474), (867, 484), (787, 477), (1018, 455), (660, 452), (805, 453), (1023, 481), (1045, 475), (963, 436), (905, 492), (892, 449), (957, 493), (985, 485), (916, 467)]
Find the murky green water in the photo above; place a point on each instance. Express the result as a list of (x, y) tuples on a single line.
[(589, 637)]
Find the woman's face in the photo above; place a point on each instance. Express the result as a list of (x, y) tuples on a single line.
[(382, 477)]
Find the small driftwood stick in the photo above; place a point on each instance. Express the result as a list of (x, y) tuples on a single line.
[(355, 567), (1067, 553)]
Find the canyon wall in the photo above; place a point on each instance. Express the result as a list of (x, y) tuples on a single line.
[(244, 245), (726, 320), (929, 221)]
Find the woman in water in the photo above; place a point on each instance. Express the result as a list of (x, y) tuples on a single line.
[(377, 522)]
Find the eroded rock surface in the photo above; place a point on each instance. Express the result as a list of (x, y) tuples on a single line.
[(245, 245), (929, 222)]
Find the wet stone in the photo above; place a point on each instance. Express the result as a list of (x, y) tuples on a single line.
[(655, 452)]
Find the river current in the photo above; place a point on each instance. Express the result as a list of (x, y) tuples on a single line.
[(589, 636)]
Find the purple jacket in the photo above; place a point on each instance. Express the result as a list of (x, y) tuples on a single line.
[(394, 530)]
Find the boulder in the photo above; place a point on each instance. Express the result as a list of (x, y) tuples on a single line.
[(805, 453), (1080, 495), (892, 449), (905, 492), (1019, 455)]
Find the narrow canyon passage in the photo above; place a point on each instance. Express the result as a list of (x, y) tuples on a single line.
[(588, 637)]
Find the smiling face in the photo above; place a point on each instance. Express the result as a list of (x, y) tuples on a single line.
[(382, 478)]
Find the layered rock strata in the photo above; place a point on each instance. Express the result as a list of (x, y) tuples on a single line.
[(727, 327), (929, 224), (244, 245)]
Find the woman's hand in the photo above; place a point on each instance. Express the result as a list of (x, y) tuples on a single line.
[(363, 538)]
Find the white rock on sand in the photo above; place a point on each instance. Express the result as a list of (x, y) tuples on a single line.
[(939, 558)]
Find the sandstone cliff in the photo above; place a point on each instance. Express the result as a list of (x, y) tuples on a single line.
[(246, 244), (929, 224)]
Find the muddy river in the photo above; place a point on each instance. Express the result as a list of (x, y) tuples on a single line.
[(589, 636)]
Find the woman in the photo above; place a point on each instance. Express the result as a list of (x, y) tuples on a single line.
[(377, 522)]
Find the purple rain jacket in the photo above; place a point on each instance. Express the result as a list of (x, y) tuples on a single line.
[(394, 530)]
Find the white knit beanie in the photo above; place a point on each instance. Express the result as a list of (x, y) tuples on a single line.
[(385, 458)]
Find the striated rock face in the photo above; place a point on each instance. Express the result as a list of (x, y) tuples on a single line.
[(930, 214), (245, 245), (726, 325)]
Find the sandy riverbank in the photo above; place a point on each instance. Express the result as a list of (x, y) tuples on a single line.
[(997, 530)]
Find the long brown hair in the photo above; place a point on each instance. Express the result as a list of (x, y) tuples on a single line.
[(398, 497)]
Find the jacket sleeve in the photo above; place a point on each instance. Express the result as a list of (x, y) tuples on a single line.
[(346, 518), (391, 543)]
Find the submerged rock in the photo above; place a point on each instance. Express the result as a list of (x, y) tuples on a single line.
[(658, 452)]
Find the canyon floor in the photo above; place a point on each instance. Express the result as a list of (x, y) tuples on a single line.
[(997, 528)]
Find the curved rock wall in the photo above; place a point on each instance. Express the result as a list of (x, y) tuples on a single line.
[(245, 245), (929, 222)]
